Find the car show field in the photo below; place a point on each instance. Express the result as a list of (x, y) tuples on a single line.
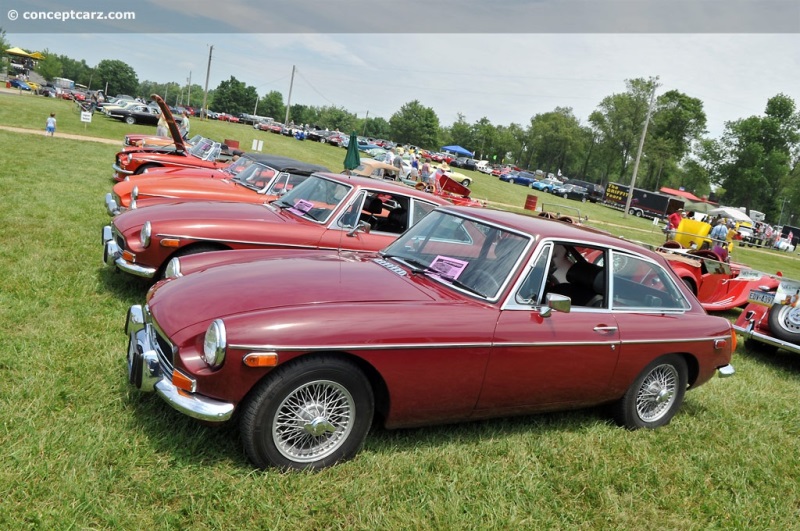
[(83, 449)]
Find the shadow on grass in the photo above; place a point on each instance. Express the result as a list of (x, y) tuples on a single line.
[(776, 358), (125, 287), (191, 443)]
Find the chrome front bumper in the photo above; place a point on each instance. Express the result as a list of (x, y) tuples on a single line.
[(112, 256), (749, 332), (119, 170), (147, 373), (111, 206)]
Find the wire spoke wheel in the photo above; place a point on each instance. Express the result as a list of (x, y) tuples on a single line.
[(657, 393), (313, 421)]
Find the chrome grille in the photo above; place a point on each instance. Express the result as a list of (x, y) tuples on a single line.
[(164, 349)]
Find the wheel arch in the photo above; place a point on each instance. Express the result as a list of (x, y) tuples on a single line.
[(380, 390)]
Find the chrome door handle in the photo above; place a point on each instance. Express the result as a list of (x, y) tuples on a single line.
[(605, 329)]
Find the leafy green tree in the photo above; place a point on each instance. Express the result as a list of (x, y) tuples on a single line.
[(757, 155), (460, 133), (376, 127), (618, 123), (120, 77), (233, 97), (415, 124), (77, 71), (553, 138), (272, 105), (484, 136), (49, 67)]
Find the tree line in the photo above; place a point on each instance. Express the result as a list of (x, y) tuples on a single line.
[(753, 164)]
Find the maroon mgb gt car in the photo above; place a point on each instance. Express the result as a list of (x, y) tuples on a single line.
[(470, 314), (327, 211)]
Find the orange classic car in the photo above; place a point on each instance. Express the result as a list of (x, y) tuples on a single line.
[(254, 178)]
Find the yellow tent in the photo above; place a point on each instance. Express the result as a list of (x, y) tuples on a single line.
[(18, 52)]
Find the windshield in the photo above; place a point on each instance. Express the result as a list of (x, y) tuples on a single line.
[(465, 253), (205, 149), (315, 198), (237, 166), (255, 176)]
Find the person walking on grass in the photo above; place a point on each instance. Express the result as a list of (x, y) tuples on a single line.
[(50, 125)]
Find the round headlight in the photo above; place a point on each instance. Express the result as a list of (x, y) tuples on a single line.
[(173, 269), (214, 344), (145, 235)]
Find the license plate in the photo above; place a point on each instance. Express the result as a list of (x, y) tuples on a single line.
[(761, 297)]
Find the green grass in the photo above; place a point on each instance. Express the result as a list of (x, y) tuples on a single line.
[(81, 450)]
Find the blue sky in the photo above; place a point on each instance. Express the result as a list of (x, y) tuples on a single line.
[(505, 77)]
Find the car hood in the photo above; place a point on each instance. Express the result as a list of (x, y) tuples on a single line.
[(175, 187), (310, 279), (198, 213)]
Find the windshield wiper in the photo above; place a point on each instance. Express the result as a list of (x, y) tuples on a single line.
[(418, 267)]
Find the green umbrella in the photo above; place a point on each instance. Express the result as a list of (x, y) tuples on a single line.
[(352, 159)]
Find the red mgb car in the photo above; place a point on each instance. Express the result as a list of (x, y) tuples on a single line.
[(472, 313), (254, 178), (205, 154), (325, 211)]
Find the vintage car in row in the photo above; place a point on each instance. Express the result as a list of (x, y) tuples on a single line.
[(137, 114), (470, 314), (442, 186), (325, 210), (571, 191), (205, 154), (718, 285), (771, 318), (253, 178), (524, 178)]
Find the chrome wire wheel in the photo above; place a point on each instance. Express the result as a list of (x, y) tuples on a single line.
[(313, 421), (657, 393)]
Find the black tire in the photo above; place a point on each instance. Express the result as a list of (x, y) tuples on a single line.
[(143, 167), (784, 322), (192, 249), (655, 395), (300, 392), (565, 196), (130, 120)]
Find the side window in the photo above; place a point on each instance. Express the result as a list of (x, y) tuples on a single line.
[(641, 284), (350, 217), (530, 290), (578, 272), (419, 209)]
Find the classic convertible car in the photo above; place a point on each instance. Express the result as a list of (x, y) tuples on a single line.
[(325, 211), (206, 154), (718, 285), (254, 178), (472, 313), (772, 318)]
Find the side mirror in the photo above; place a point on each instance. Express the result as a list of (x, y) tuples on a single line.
[(554, 301), (360, 226)]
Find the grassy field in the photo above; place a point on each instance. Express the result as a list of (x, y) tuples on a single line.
[(83, 451)]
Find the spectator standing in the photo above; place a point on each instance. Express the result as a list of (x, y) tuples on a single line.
[(425, 171), (398, 163), (161, 128), (390, 156), (185, 125), (50, 125)]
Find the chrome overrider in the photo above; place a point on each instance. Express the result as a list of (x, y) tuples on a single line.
[(112, 256), (150, 369)]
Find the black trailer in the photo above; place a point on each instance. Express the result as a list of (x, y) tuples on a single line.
[(643, 203)]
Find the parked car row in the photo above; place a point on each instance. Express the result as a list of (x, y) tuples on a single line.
[(310, 305)]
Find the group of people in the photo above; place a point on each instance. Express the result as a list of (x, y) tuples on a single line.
[(163, 130)]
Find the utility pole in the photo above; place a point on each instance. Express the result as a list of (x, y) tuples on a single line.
[(205, 93), (641, 146), (189, 92), (289, 99), (365, 124)]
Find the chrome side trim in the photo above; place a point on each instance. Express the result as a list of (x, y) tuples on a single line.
[(488, 344)]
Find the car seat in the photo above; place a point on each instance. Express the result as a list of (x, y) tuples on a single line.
[(372, 207), (585, 284)]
